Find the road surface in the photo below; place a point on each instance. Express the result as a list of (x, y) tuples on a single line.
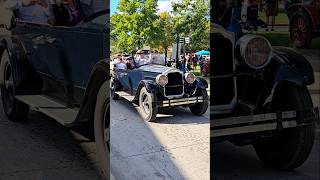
[(40, 148), (174, 147)]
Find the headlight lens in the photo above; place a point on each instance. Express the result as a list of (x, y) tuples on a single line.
[(190, 77), (162, 79), (255, 51)]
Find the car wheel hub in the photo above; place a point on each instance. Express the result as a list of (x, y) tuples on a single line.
[(146, 104), (299, 31)]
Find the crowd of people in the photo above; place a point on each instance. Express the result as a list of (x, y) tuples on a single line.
[(231, 12), (190, 61), (124, 62)]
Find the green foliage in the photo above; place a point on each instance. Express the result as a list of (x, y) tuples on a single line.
[(138, 24), (192, 20), (134, 25)]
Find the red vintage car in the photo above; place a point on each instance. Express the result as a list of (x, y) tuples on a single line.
[(304, 16)]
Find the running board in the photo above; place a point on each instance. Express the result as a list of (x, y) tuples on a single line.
[(61, 113), (125, 95), (261, 122)]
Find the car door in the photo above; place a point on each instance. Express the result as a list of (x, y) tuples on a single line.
[(73, 54)]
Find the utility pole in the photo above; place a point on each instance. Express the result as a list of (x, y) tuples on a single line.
[(177, 54)]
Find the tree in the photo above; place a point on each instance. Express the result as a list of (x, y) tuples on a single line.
[(191, 18), (165, 36), (134, 25)]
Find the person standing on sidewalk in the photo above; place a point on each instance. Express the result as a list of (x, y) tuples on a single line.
[(271, 11)]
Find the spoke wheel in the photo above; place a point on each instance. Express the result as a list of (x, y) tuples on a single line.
[(301, 30)]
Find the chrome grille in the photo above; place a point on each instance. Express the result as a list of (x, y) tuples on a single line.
[(175, 84)]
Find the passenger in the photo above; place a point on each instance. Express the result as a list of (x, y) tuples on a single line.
[(74, 14), (119, 63), (35, 11)]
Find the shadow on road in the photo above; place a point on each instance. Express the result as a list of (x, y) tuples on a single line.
[(40, 148), (231, 162)]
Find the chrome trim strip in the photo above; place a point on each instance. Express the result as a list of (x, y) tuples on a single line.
[(183, 101)]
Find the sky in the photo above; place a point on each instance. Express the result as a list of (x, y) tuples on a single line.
[(163, 5)]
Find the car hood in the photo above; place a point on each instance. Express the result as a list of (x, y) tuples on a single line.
[(156, 68)]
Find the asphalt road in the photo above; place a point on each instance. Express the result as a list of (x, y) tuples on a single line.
[(174, 147), (40, 148)]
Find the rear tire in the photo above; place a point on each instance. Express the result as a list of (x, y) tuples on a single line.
[(102, 129), (291, 147), (14, 109)]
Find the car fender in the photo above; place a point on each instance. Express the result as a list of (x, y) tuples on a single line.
[(200, 83), (151, 86), (100, 74), (27, 80), (294, 69)]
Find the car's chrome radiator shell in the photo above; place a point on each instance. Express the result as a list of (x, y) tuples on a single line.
[(175, 86)]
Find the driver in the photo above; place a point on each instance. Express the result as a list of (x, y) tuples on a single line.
[(141, 58)]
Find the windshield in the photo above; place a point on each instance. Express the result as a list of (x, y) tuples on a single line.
[(146, 59), (92, 7)]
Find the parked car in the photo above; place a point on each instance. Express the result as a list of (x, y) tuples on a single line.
[(152, 85), (61, 71), (304, 16), (260, 97)]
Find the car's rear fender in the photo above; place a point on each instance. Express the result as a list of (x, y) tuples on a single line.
[(99, 74), (27, 80)]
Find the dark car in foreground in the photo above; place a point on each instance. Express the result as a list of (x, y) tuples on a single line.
[(153, 86), (260, 98), (61, 71)]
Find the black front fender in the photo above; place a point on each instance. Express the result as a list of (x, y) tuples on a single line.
[(293, 67), (201, 83)]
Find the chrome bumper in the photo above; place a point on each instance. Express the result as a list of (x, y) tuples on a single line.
[(182, 101)]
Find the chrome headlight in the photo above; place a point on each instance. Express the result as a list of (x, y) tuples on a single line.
[(256, 51), (189, 77), (162, 79)]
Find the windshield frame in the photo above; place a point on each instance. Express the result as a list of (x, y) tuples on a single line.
[(137, 65)]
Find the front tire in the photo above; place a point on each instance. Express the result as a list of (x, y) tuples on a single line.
[(102, 129), (289, 148), (15, 110), (148, 109), (200, 108)]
